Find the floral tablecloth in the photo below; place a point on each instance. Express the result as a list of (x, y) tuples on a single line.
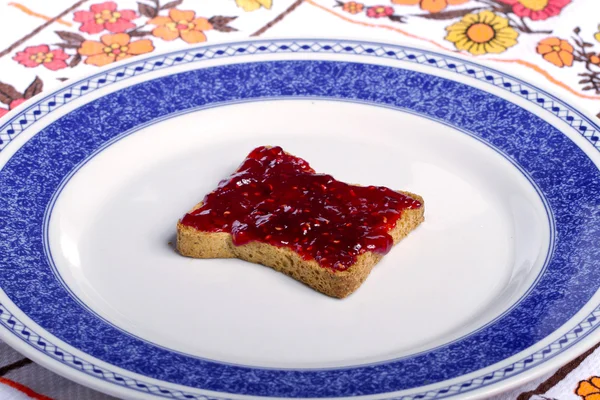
[(550, 43)]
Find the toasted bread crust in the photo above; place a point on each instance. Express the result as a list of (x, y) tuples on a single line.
[(197, 244)]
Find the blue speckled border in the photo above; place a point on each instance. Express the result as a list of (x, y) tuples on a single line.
[(568, 179), (50, 207)]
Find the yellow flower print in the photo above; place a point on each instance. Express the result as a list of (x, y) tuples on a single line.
[(482, 33), (597, 35), (251, 5)]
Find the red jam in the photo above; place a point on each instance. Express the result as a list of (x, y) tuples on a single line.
[(277, 198)]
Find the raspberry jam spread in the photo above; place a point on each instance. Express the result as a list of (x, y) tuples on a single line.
[(278, 199)]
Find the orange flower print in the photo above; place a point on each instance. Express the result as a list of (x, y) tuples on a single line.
[(433, 6), (590, 389), (557, 51), (183, 24), (113, 48), (353, 7)]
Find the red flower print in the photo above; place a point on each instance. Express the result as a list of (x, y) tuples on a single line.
[(13, 104), (105, 16), (537, 10), (41, 55), (379, 11)]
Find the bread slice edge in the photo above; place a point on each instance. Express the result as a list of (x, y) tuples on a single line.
[(339, 284)]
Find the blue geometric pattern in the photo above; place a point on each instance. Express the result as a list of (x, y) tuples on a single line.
[(20, 330), (582, 124), (566, 177), (11, 323)]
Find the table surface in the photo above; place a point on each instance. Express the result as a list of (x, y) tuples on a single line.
[(550, 43)]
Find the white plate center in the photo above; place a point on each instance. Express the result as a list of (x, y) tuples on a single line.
[(484, 241)]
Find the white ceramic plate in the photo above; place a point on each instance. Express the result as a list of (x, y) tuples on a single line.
[(497, 286)]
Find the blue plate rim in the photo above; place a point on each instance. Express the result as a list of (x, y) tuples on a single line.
[(13, 119), (526, 175)]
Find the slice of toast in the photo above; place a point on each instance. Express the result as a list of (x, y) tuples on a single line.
[(329, 241)]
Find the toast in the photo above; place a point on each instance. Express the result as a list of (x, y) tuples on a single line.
[(276, 211)]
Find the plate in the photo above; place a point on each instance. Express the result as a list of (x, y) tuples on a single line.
[(497, 286)]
